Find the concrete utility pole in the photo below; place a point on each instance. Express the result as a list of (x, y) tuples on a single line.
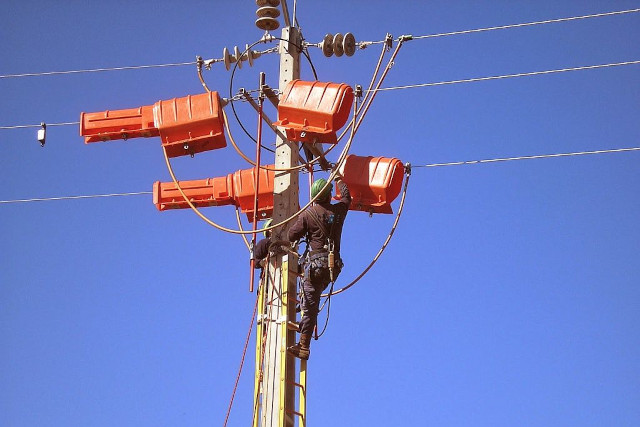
[(277, 385)]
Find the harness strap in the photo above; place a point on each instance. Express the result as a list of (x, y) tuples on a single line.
[(320, 224)]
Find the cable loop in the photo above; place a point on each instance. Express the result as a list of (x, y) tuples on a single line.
[(332, 176), (384, 245)]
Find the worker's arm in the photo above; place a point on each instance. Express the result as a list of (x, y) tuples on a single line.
[(298, 229), (261, 251), (345, 196)]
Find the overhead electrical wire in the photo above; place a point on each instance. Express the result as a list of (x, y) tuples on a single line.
[(541, 156), (504, 27), (91, 196), (506, 76), (40, 125), (431, 165), (95, 70), (431, 84), (363, 44)]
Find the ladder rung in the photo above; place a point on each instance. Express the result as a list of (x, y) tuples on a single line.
[(291, 411)]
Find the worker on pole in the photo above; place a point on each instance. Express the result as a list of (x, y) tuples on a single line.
[(322, 224)]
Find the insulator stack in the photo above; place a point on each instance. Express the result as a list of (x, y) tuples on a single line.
[(237, 56), (267, 13), (338, 45)]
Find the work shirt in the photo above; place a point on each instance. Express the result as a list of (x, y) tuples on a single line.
[(332, 215)]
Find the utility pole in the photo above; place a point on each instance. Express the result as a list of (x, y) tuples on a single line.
[(194, 124), (276, 382)]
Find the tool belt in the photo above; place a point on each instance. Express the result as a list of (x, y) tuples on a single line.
[(317, 266)]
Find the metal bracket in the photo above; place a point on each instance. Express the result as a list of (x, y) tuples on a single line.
[(271, 95), (313, 148), (388, 41), (407, 168), (255, 106)]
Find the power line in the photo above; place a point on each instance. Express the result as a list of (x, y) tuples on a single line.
[(95, 70), (37, 126), (540, 156), (525, 24), (448, 82), (363, 44), (506, 76), (92, 196), (431, 165)]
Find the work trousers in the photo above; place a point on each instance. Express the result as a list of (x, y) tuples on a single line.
[(315, 280)]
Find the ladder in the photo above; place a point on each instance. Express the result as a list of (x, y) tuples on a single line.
[(272, 313)]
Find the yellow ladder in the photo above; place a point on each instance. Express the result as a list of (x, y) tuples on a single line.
[(265, 320)]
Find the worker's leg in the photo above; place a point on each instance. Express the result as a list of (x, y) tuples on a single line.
[(310, 306), (313, 283)]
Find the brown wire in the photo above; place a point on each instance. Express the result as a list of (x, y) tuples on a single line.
[(384, 245)]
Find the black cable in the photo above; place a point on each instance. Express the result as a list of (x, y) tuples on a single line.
[(328, 301), (299, 46)]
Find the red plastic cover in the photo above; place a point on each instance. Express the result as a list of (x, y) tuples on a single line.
[(187, 125), (314, 111), (374, 182), (233, 189)]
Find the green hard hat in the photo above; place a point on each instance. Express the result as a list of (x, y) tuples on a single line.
[(318, 185), (267, 224)]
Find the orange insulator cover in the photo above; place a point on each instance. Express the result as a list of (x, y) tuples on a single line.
[(374, 182), (244, 191), (314, 111), (191, 124), (233, 189), (187, 125), (118, 124)]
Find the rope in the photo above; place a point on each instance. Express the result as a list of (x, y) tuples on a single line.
[(503, 27), (506, 76), (95, 70), (244, 353)]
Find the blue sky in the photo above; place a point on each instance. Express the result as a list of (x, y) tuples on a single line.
[(508, 296)]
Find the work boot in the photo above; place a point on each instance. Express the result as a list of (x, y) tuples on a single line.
[(301, 349)]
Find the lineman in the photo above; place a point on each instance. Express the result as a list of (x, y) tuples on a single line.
[(322, 223)]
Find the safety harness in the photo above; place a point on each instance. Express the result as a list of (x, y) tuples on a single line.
[(330, 243)]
